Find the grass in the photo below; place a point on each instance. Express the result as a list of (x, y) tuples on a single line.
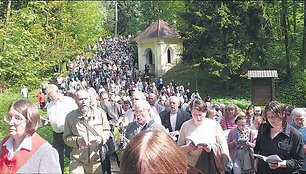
[(184, 72)]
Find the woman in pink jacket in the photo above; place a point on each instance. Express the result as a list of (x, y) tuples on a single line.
[(241, 141)]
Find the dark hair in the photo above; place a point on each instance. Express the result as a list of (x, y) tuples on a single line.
[(102, 93), (240, 117), (199, 105), (207, 98), (278, 110), (251, 107), (288, 109), (153, 152)]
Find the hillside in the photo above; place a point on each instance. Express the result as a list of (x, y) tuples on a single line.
[(184, 72)]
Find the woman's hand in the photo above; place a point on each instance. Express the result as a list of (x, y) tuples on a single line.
[(188, 147), (235, 142), (207, 147), (174, 133), (275, 165)]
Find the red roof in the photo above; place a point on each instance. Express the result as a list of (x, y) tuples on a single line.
[(159, 29)]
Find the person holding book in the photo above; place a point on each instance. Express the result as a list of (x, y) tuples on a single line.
[(276, 137), (86, 130), (241, 141), (173, 118), (203, 142)]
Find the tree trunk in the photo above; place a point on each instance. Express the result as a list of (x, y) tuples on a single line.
[(7, 19), (285, 32), (294, 15), (303, 58)]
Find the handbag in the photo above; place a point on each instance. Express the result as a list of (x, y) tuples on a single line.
[(206, 159), (248, 159), (111, 145), (223, 161)]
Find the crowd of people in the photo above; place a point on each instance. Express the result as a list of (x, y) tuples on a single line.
[(106, 108)]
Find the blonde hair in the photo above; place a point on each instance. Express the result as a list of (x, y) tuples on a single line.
[(211, 113), (231, 105)]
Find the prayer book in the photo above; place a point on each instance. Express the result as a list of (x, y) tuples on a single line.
[(197, 142), (270, 158)]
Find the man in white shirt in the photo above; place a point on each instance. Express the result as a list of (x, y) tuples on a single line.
[(24, 92), (173, 118), (57, 110)]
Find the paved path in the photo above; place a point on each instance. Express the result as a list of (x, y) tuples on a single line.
[(114, 166)]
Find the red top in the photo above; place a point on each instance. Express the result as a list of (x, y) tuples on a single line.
[(21, 157), (41, 98)]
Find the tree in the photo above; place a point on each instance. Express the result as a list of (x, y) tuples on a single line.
[(224, 37), (41, 36), (303, 57), (286, 40), (136, 16)]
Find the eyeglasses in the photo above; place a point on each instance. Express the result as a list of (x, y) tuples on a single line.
[(15, 119), (137, 112)]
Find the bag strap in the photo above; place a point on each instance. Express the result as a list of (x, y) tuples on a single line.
[(92, 130)]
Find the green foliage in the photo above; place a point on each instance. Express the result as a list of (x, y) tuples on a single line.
[(224, 39), (294, 92), (221, 36), (136, 16), (46, 132), (41, 36)]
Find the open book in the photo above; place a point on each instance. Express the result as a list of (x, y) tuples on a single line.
[(197, 142), (270, 158)]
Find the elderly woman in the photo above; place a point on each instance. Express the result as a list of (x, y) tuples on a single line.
[(153, 152), (203, 142), (230, 114), (276, 137), (23, 150)]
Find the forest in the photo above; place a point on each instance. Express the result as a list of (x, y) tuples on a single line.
[(223, 38)]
